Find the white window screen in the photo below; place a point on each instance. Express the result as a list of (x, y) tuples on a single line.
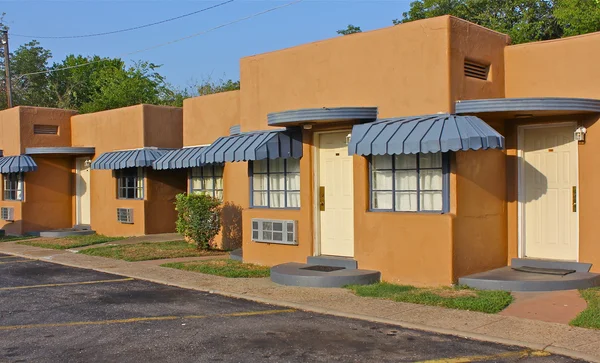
[(130, 183), (13, 186), (407, 183), (208, 179), (276, 183)]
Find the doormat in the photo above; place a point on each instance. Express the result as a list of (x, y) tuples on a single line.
[(541, 270), (322, 268)]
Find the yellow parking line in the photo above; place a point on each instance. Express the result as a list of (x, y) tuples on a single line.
[(4, 263), (64, 284), (141, 319), (483, 358)]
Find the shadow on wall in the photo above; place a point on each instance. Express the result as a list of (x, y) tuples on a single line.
[(231, 218), (530, 175)]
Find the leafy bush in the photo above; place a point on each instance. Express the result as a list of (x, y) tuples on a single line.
[(199, 218)]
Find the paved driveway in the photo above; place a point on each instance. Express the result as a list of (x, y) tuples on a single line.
[(53, 313)]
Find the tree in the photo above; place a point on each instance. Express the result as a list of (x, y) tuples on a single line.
[(208, 86), (523, 20), (578, 16), (351, 29)]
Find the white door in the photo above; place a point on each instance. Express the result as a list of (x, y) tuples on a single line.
[(335, 184), (549, 190), (82, 186)]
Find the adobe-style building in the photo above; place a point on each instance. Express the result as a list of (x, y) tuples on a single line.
[(428, 151), (48, 184)]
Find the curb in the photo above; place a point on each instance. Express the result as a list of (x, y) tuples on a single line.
[(314, 309)]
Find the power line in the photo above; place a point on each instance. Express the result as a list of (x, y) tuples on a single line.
[(169, 42), (122, 30)]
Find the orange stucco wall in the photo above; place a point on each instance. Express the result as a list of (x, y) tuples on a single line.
[(31, 116), (565, 67), (121, 129), (270, 254), (162, 187), (48, 191), (207, 118), (48, 196), (403, 70), (559, 68), (475, 43), (411, 69)]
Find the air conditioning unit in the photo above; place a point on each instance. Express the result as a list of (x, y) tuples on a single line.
[(7, 214), (274, 231), (125, 215)]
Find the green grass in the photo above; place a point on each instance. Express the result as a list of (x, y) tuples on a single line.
[(150, 251), (590, 317), (64, 243), (14, 238), (225, 268), (459, 297)]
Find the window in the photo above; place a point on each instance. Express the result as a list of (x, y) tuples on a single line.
[(208, 179), (13, 186), (130, 183), (276, 183), (409, 183)]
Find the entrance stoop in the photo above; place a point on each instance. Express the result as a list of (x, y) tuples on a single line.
[(545, 275), (323, 271)]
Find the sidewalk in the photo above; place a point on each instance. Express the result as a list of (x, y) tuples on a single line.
[(539, 335)]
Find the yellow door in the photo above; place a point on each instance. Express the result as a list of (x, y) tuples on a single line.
[(335, 177), (550, 184), (83, 191)]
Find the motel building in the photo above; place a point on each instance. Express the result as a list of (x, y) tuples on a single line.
[(427, 153)]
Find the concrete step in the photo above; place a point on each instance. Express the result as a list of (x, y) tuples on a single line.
[(301, 274), (335, 261), (564, 265)]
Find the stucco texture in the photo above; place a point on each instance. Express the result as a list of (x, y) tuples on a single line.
[(565, 67), (559, 68), (130, 128), (207, 118), (47, 200)]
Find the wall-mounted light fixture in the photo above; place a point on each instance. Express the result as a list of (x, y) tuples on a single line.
[(348, 138), (307, 126), (87, 163), (579, 134)]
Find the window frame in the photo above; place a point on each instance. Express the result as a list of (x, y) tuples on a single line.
[(446, 160), (140, 175), (20, 187), (191, 189), (268, 190)]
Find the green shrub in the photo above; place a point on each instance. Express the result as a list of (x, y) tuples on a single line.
[(199, 218)]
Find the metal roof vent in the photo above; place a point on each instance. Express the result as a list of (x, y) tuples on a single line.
[(476, 70)]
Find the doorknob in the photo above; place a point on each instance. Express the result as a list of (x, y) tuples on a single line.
[(574, 199), (321, 199)]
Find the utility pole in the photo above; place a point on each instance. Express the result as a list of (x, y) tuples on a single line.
[(7, 68)]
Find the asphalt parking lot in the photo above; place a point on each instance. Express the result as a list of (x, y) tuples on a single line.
[(54, 313)]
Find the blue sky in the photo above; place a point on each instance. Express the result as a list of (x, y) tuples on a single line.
[(214, 54)]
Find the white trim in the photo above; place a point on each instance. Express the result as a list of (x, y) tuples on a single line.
[(316, 182), (521, 183)]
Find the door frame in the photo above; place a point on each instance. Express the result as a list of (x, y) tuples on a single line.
[(315, 187), (521, 183), (77, 196)]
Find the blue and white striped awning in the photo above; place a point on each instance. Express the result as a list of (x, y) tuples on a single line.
[(17, 164), (259, 145), (188, 157), (423, 134), (114, 160)]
